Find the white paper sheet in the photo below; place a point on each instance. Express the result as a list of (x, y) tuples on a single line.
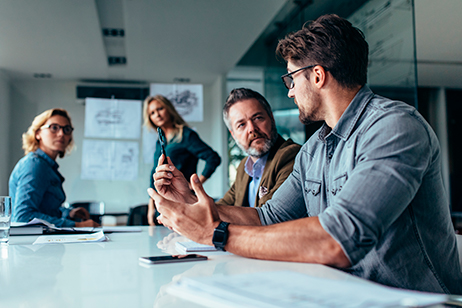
[(291, 289), (110, 160), (187, 98), (112, 118), (149, 145), (67, 239)]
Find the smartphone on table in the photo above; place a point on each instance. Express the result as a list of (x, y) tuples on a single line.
[(172, 259)]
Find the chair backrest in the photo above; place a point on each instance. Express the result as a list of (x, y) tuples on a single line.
[(96, 209), (138, 216)]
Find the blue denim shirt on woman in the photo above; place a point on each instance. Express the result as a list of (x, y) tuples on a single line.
[(374, 181), (36, 190)]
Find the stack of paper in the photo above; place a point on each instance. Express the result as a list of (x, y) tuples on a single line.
[(67, 239), (291, 289)]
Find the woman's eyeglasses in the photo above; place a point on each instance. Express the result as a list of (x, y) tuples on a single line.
[(54, 128)]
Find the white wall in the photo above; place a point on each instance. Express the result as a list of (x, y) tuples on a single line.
[(4, 131), (29, 98)]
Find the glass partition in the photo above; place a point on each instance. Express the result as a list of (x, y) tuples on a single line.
[(389, 29)]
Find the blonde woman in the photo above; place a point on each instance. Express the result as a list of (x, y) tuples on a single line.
[(35, 184), (184, 147)]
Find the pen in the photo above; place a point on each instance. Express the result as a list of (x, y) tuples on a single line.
[(162, 144)]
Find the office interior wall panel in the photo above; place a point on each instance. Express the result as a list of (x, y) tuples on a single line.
[(29, 98), (4, 131)]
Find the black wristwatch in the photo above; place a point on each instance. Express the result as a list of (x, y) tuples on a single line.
[(220, 236)]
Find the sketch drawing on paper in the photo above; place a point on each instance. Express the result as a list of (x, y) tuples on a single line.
[(187, 98), (185, 101), (109, 160), (112, 118), (109, 116)]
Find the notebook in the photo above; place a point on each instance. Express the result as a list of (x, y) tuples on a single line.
[(190, 246)]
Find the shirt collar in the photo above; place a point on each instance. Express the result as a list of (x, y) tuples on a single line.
[(255, 169), (47, 158), (350, 116)]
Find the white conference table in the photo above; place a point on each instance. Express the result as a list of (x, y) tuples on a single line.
[(109, 274)]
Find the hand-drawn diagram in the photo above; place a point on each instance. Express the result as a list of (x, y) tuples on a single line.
[(109, 160), (112, 118), (187, 99)]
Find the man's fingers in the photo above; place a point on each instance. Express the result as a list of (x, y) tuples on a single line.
[(161, 160), (164, 206), (154, 195), (198, 188), (159, 175)]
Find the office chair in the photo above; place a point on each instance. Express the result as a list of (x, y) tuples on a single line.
[(96, 209), (138, 216)]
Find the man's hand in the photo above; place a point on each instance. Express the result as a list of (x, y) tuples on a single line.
[(171, 183), (196, 221), (87, 223), (80, 213)]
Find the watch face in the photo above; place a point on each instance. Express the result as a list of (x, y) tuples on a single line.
[(218, 236)]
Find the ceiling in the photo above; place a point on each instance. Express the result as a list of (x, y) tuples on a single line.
[(171, 40), (164, 39)]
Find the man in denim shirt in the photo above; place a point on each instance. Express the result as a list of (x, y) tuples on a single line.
[(366, 193)]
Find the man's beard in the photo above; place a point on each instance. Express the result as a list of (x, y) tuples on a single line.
[(305, 119), (251, 151), (312, 116)]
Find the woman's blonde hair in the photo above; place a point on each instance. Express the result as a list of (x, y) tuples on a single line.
[(177, 121), (30, 142)]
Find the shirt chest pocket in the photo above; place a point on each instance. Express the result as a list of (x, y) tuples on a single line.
[(337, 183), (312, 189)]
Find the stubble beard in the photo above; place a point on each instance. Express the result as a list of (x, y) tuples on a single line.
[(311, 116)]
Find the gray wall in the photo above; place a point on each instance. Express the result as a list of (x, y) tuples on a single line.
[(4, 131), (29, 98)]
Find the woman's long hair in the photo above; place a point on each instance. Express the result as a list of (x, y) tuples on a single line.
[(177, 121)]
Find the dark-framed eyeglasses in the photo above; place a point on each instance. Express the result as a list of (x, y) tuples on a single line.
[(54, 128), (288, 80)]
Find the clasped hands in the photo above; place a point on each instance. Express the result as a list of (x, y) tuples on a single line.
[(192, 214)]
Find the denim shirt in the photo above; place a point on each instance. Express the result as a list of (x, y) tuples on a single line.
[(186, 154), (375, 183), (36, 190)]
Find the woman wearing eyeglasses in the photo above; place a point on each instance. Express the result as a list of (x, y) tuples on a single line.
[(183, 145), (36, 186)]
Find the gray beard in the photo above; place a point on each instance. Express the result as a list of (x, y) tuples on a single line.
[(266, 147)]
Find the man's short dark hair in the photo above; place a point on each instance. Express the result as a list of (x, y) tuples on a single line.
[(333, 43), (240, 94)]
